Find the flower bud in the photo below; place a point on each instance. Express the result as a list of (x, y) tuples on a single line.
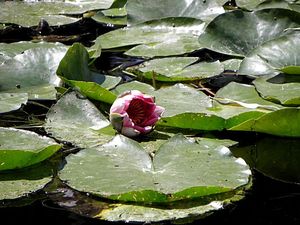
[(134, 113)]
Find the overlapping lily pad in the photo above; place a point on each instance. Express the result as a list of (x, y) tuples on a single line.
[(76, 120), (286, 94), (30, 13), (139, 12), (12, 101), (270, 58), (116, 16), (122, 170), (262, 4), (165, 37), (74, 70), (239, 32), (20, 148), (21, 183), (177, 69), (32, 72)]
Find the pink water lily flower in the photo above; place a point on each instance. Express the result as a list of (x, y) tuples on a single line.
[(134, 113)]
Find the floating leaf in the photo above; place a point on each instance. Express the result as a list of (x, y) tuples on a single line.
[(74, 70), (177, 69), (263, 4), (268, 58), (280, 122), (239, 32), (12, 101), (139, 12), (116, 16), (32, 72), (30, 13), (291, 70), (21, 183), (171, 36), (286, 94), (76, 120), (20, 148), (122, 170)]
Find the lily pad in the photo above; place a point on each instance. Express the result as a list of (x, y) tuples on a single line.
[(74, 70), (269, 58), (30, 13), (122, 170), (12, 101), (286, 94), (20, 148), (177, 69), (171, 36), (21, 183), (139, 12), (75, 119), (183, 212), (239, 32), (32, 72), (116, 16), (263, 4)]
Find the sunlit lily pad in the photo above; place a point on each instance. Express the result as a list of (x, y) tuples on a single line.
[(177, 69), (171, 36), (239, 32), (75, 119), (139, 12), (271, 57), (74, 70), (116, 16), (122, 170), (12, 101), (32, 72), (30, 13), (20, 148)]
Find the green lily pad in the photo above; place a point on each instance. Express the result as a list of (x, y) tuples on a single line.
[(32, 72), (182, 212), (21, 183), (239, 32), (171, 36), (12, 101), (286, 94), (291, 70), (270, 57), (232, 64), (20, 148), (77, 120), (138, 11), (74, 70), (284, 163), (176, 69), (122, 170), (280, 122), (30, 13), (263, 4), (116, 16)]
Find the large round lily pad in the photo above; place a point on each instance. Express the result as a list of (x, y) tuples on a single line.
[(180, 169), (20, 148), (12, 101), (239, 32), (273, 56)]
